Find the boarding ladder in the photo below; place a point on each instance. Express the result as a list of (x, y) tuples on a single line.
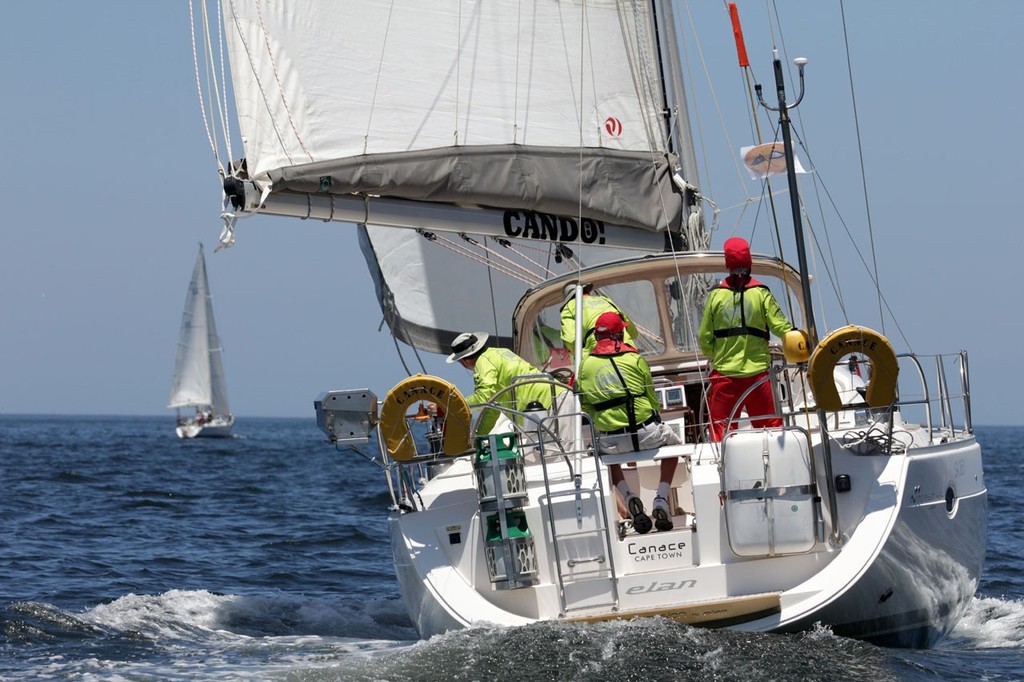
[(576, 512)]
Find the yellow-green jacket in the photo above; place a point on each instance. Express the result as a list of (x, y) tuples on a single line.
[(734, 329), (593, 307), (495, 370), (601, 386)]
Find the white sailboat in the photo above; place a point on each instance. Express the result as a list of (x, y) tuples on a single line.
[(492, 152), (198, 384)]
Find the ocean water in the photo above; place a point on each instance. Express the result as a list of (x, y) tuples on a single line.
[(127, 554)]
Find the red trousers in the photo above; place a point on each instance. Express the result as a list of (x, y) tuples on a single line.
[(726, 391)]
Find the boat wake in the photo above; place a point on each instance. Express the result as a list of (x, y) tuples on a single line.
[(990, 623), (178, 613), (225, 635)]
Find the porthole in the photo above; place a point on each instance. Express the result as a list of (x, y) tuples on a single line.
[(951, 502)]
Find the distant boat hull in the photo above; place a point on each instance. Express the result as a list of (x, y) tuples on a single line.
[(217, 428)]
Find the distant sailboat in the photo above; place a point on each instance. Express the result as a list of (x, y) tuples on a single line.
[(198, 373)]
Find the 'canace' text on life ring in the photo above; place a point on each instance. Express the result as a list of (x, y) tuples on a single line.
[(395, 430), (881, 390)]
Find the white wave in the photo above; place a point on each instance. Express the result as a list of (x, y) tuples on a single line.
[(992, 623), (186, 613)]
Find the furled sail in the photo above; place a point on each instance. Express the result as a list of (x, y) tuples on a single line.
[(433, 287), (529, 138)]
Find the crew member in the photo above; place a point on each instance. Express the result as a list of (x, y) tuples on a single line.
[(594, 306), (494, 369), (734, 332), (617, 391)]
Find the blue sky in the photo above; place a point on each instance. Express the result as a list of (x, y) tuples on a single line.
[(108, 185)]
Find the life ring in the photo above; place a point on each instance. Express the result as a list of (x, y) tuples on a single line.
[(395, 430), (881, 390)]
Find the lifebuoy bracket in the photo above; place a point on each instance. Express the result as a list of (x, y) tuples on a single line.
[(394, 428), (881, 389)]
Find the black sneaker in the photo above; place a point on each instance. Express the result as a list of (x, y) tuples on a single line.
[(641, 521), (662, 519)]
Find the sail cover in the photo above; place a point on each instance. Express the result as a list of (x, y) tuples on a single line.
[(552, 112), (552, 105)]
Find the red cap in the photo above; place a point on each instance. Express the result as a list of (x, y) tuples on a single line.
[(737, 254), (609, 324)]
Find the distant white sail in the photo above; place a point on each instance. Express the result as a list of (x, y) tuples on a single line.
[(198, 371)]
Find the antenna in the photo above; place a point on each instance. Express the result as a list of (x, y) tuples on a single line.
[(794, 196)]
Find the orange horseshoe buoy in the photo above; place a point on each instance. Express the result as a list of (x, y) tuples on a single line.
[(881, 391), (395, 430)]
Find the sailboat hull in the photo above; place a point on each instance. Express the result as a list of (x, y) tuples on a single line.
[(218, 428), (903, 577), (923, 579)]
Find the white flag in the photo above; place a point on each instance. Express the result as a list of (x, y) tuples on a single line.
[(767, 159)]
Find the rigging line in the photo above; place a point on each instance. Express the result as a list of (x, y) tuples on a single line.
[(199, 86), (648, 79), (816, 250), (579, 121), (860, 255), (259, 84), (818, 185), (508, 270), (568, 256), (773, 11), (863, 174), (545, 272), (211, 79), (376, 82), (637, 69), (649, 72), (214, 84), (444, 242), (685, 54), (775, 221), (458, 78), (490, 289), (277, 77), (515, 87), (717, 107), (416, 352), (675, 111), (489, 252), (747, 75), (398, 350), (225, 109)]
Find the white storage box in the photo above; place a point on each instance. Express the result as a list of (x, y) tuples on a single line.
[(769, 492)]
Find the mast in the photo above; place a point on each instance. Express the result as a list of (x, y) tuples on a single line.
[(677, 119), (794, 195), (805, 280)]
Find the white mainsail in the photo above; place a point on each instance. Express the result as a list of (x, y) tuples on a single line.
[(518, 123), (198, 371)]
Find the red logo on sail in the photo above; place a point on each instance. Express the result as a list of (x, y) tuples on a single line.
[(613, 126)]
